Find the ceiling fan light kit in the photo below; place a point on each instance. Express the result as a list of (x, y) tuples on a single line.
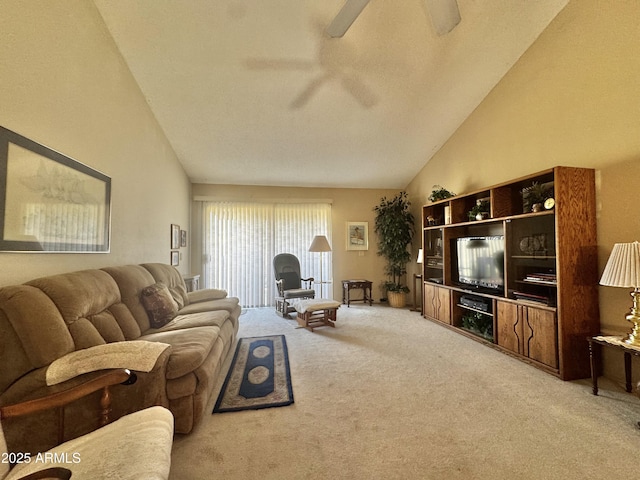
[(444, 14)]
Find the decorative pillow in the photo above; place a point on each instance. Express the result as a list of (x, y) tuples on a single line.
[(159, 304)]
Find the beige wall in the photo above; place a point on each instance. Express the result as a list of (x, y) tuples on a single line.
[(348, 205), (572, 99), (64, 84)]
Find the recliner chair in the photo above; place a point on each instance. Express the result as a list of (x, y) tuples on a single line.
[(289, 282)]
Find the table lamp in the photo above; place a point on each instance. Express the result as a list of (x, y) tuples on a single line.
[(320, 244), (623, 270)]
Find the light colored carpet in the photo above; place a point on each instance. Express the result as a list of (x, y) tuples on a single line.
[(390, 395)]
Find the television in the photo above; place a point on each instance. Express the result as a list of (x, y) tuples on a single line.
[(481, 261)]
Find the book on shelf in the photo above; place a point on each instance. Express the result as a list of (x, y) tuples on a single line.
[(544, 278)]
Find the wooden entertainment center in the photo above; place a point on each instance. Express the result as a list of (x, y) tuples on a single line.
[(535, 294)]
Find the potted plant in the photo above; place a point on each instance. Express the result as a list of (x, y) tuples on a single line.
[(394, 226), (440, 193), (533, 197), (480, 210)]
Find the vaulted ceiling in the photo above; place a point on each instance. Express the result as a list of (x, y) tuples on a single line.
[(256, 93)]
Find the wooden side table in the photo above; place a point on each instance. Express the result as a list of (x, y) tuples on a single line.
[(595, 346), (364, 285), (192, 282)]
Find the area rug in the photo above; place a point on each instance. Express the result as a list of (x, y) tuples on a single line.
[(259, 376)]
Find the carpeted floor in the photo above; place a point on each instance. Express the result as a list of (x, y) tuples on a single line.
[(390, 395)]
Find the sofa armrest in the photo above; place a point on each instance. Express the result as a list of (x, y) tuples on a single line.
[(136, 355), (206, 294)]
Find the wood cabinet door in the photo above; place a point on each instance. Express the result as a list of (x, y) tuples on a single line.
[(437, 303), (509, 326), (541, 335), (444, 305), (430, 301)]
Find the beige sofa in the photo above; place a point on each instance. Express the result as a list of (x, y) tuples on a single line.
[(45, 320)]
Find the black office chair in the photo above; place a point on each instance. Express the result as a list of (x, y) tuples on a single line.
[(290, 285)]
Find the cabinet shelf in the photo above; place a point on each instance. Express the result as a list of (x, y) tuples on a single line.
[(551, 245), (542, 284), (466, 307)]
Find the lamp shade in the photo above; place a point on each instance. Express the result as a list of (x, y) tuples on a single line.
[(420, 256), (320, 244), (623, 266)]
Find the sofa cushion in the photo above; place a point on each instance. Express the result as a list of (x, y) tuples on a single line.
[(198, 319), (189, 348), (32, 331), (159, 304), (179, 294), (84, 297), (131, 280), (170, 276)]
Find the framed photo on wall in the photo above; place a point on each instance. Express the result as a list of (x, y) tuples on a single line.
[(175, 258), (175, 236), (183, 238), (50, 202), (357, 236)]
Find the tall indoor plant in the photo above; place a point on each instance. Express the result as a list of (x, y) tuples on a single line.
[(394, 226)]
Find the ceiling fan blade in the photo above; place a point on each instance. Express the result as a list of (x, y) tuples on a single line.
[(444, 15), (302, 99), (359, 91), (346, 16)]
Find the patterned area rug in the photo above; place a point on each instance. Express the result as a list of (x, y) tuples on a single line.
[(258, 377)]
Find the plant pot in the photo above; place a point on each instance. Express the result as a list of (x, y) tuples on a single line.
[(397, 299)]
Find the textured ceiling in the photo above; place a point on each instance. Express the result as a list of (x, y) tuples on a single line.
[(255, 93)]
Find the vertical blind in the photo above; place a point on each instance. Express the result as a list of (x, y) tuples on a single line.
[(241, 239)]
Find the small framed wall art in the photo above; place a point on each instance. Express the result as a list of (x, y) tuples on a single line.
[(183, 238), (175, 236), (357, 236), (175, 258)]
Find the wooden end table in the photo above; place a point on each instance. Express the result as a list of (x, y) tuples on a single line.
[(596, 344), (364, 285)]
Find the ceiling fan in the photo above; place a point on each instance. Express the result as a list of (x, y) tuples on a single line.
[(444, 16)]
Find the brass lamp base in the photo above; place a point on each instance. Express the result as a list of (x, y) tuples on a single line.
[(634, 317)]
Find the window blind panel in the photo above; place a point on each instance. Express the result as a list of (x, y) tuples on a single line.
[(241, 239)]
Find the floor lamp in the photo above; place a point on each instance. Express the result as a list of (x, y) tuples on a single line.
[(320, 244)]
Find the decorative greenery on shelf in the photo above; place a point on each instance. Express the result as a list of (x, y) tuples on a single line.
[(480, 208), (440, 193), (479, 323), (394, 226), (534, 194)]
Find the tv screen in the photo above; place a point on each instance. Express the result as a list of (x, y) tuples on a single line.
[(481, 261)]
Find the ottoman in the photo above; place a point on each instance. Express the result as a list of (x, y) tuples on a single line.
[(316, 312)]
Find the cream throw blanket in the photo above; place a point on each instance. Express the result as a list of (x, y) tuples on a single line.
[(313, 304), (136, 355)]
